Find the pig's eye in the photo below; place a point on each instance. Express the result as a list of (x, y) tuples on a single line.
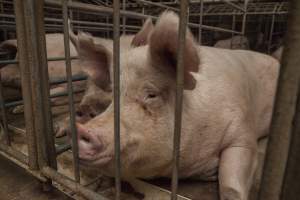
[(151, 96)]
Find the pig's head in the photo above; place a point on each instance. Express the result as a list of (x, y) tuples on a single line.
[(147, 101)]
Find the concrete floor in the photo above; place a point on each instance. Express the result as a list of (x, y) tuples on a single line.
[(16, 184)]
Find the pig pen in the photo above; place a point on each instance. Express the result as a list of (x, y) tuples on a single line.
[(29, 141)]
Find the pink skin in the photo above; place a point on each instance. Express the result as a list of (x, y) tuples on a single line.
[(228, 101)]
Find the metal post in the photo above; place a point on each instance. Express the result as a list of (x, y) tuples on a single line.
[(116, 70), (179, 96), (200, 22), (26, 83), (284, 111), (3, 115), (124, 18), (290, 189), (244, 17), (271, 33), (70, 92), (37, 57)]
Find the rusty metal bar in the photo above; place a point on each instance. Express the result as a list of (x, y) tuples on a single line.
[(67, 182), (179, 95), (37, 59), (116, 72), (234, 5), (284, 111), (26, 84), (3, 116), (70, 92), (244, 17), (158, 5), (124, 18)]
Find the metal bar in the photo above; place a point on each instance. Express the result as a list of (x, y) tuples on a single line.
[(290, 189), (200, 22), (244, 17), (234, 5), (3, 116), (284, 111), (124, 18), (179, 95), (101, 9), (20, 159), (67, 182), (62, 148), (59, 94), (26, 83), (14, 153), (116, 72), (271, 34), (158, 5), (70, 92)]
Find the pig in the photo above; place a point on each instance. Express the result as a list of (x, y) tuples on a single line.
[(236, 42), (278, 53), (98, 96), (227, 107), (11, 77)]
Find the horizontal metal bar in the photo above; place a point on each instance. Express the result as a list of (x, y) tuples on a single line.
[(79, 77), (14, 153), (234, 5), (62, 148), (59, 94), (69, 183), (157, 4), (49, 59), (10, 155)]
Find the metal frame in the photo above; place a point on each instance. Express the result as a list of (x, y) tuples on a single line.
[(41, 161)]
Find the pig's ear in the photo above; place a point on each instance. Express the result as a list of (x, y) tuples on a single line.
[(164, 47), (141, 38), (9, 46), (95, 60)]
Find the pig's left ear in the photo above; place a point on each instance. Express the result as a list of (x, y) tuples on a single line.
[(95, 60), (164, 47), (141, 38)]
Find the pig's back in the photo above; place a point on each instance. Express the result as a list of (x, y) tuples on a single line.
[(243, 82)]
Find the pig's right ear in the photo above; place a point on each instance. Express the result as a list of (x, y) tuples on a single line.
[(95, 60), (141, 38), (163, 43)]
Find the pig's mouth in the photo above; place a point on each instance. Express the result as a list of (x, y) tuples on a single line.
[(95, 160)]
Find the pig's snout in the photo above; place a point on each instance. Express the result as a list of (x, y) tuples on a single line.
[(88, 143)]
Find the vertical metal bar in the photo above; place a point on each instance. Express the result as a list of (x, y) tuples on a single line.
[(271, 33), (284, 111), (233, 28), (124, 17), (36, 57), (70, 91), (200, 22), (290, 189), (3, 115), (116, 69), (26, 83), (179, 96), (244, 17)]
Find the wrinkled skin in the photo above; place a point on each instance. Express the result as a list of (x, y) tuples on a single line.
[(236, 42), (227, 107)]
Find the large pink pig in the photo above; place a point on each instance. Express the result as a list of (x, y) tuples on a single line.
[(228, 100)]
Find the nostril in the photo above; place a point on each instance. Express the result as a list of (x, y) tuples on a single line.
[(92, 115), (85, 138), (79, 113)]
